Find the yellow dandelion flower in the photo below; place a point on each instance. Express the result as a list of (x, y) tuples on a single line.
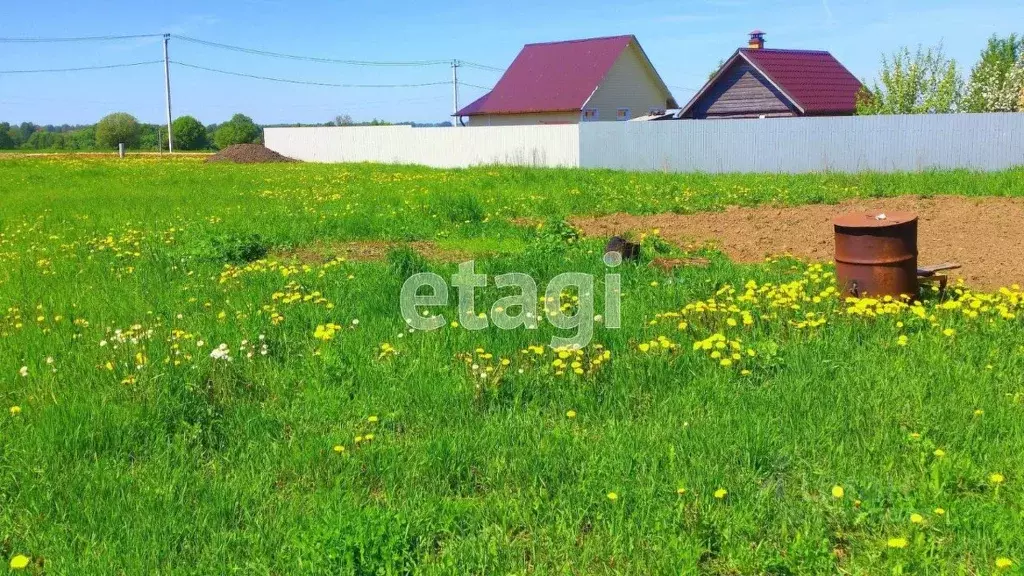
[(645, 347), (570, 414), (979, 412), (939, 453), (19, 562), (996, 478), (940, 512), (949, 332), (680, 490), (916, 518), (838, 492), (1003, 563), (368, 437), (721, 493), (15, 410), (339, 448), (372, 419), (896, 543), (613, 496)]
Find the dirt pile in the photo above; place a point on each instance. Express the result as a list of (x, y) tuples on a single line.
[(985, 235), (248, 154)]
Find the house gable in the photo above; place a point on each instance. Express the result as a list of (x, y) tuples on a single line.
[(739, 91), (631, 83)]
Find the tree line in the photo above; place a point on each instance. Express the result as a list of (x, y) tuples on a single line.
[(189, 133), (925, 81), (121, 127)]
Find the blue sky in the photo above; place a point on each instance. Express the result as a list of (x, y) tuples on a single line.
[(684, 39)]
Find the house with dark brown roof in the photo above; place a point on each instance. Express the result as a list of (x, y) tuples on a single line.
[(757, 82), (593, 79)]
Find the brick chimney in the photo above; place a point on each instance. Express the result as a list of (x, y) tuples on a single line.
[(756, 41)]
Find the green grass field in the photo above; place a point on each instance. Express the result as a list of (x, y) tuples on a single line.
[(744, 420)]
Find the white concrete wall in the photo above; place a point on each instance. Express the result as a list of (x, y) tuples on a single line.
[(438, 147)]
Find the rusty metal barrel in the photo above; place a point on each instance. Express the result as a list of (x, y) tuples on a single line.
[(876, 254)]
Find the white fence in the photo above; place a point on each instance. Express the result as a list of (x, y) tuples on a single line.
[(439, 147), (840, 144)]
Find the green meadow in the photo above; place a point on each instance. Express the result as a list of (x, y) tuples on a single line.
[(195, 380)]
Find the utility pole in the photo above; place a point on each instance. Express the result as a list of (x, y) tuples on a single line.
[(167, 86), (455, 93)]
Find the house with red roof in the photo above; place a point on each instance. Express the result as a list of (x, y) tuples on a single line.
[(594, 79), (757, 82)]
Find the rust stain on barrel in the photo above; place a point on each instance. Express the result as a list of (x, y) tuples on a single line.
[(876, 253)]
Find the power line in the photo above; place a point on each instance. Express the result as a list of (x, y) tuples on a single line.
[(106, 67), (309, 83), (80, 38), (307, 58), (481, 66), (473, 85)]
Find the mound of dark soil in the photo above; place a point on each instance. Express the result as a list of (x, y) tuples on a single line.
[(248, 154)]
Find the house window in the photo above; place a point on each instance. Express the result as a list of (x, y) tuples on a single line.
[(622, 114), (590, 115)]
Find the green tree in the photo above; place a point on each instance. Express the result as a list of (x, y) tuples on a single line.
[(82, 139), (921, 82), (42, 140), (997, 80), (239, 130), (6, 142), (115, 128), (189, 133)]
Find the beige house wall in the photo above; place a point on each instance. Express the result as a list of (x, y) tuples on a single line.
[(630, 83), (524, 119)]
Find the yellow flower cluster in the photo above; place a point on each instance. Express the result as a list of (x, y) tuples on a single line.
[(723, 350), (722, 323), (326, 332)]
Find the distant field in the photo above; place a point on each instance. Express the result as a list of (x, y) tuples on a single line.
[(204, 370)]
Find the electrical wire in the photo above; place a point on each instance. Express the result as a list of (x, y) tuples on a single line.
[(307, 58), (309, 83), (472, 85), (81, 38), (106, 67), (480, 66)]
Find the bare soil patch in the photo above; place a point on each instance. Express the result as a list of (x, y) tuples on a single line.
[(248, 154), (367, 251), (984, 234)]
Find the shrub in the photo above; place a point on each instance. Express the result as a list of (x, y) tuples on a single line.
[(239, 130), (189, 134), (116, 128)]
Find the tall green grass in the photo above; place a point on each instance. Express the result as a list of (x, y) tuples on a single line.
[(169, 461)]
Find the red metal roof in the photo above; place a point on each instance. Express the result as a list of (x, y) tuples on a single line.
[(551, 77), (813, 79)]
